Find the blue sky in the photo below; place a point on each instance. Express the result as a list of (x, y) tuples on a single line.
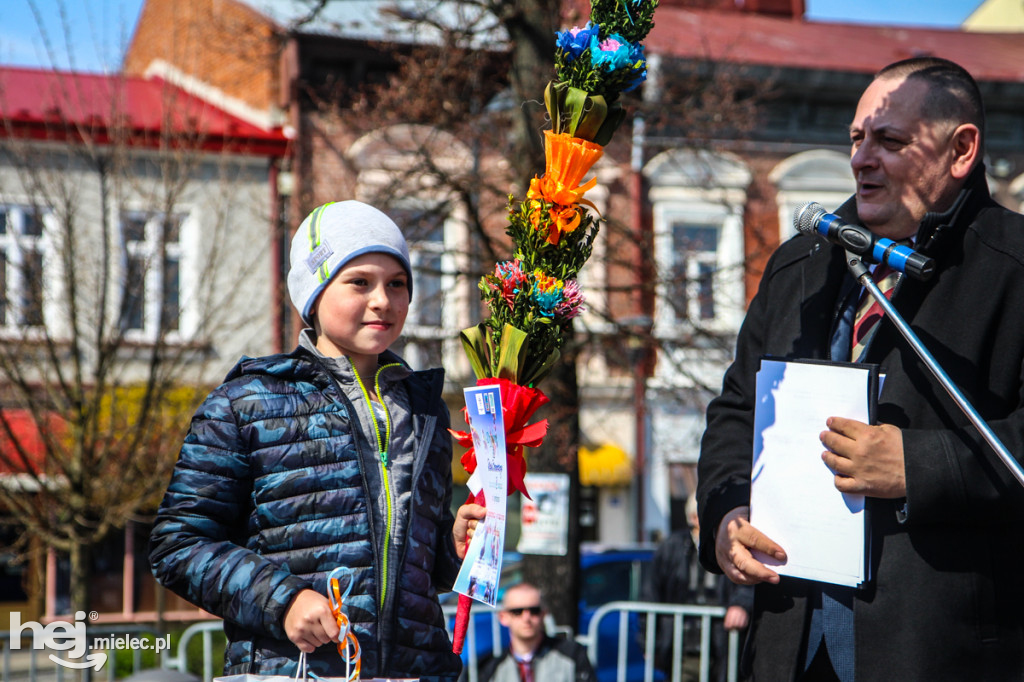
[(936, 13), (100, 29)]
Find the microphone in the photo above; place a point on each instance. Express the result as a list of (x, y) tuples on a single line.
[(812, 218)]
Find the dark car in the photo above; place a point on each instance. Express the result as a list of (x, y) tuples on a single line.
[(614, 574)]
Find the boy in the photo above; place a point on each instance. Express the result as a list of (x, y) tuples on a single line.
[(336, 454)]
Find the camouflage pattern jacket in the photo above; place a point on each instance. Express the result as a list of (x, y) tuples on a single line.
[(275, 487)]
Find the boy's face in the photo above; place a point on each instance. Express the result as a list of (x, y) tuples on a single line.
[(362, 310)]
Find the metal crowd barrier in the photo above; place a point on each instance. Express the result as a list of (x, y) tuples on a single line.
[(680, 613)]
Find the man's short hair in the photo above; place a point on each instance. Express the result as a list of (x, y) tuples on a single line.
[(953, 94), (523, 585)]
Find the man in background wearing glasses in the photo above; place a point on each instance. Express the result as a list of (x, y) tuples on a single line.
[(533, 655)]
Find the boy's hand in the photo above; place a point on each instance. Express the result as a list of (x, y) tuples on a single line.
[(309, 623), (466, 520)]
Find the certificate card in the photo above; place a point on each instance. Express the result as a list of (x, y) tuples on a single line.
[(478, 577), (793, 498)]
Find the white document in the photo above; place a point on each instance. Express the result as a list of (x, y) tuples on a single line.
[(793, 498)]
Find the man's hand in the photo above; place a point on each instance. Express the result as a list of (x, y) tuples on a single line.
[(736, 618), (309, 623), (866, 460), (466, 520), (736, 537)]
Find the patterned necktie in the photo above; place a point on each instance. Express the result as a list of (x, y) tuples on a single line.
[(525, 670), (869, 311)]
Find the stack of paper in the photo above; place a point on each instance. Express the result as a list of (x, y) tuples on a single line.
[(793, 498)]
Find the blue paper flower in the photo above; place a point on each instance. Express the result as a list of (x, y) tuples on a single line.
[(616, 53), (575, 40)]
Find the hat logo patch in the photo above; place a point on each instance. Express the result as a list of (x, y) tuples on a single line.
[(319, 256)]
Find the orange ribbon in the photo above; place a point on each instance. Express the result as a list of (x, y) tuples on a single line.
[(347, 639)]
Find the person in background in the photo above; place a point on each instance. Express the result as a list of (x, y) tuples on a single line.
[(676, 577), (335, 455), (533, 655), (944, 513)]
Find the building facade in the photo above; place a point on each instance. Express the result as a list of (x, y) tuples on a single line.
[(137, 226), (710, 198)]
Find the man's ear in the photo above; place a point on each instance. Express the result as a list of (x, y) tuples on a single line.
[(966, 148)]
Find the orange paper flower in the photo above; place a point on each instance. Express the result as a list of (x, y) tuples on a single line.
[(560, 219), (567, 160)]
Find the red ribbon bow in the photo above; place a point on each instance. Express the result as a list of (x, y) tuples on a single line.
[(518, 403)]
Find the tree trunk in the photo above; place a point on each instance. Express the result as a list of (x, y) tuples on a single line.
[(81, 572), (531, 25), (557, 577)]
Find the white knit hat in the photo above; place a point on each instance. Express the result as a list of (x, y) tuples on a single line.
[(331, 236)]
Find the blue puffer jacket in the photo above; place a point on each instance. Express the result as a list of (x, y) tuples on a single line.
[(274, 488)]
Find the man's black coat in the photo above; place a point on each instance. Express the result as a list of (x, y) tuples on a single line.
[(947, 601)]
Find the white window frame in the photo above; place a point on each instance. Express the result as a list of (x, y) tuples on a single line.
[(698, 264), (386, 156), (15, 245), (697, 188), (153, 289)]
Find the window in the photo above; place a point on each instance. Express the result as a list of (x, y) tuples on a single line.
[(695, 252), (151, 289), (697, 201), (412, 162), (818, 175), (22, 252), (424, 333)]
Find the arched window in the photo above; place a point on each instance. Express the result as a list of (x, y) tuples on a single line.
[(820, 175), (697, 201)]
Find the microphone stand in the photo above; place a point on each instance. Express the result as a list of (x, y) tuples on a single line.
[(862, 273)]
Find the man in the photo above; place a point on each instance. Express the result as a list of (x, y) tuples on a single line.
[(677, 578), (945, 515), (533, 656)]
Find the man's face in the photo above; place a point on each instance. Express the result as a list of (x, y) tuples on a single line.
[(523, 614), (900, 160)]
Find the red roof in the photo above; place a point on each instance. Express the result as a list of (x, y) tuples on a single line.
[(42, 103), (748, 38)]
